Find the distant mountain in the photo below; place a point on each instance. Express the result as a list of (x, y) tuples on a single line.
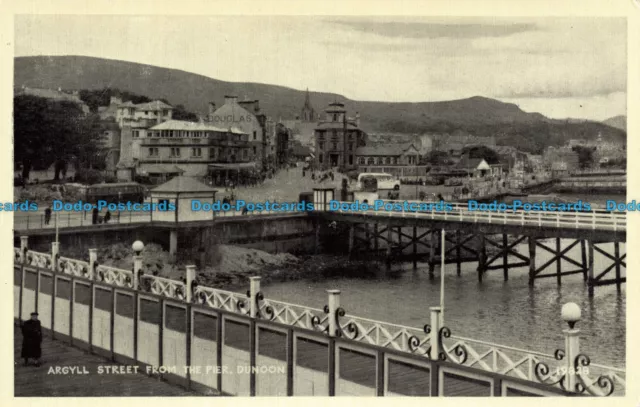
[(619, 122), (477, 114)]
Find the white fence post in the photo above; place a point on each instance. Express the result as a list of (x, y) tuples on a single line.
[(254, 289), (571, 314), (55, 252), (334, 304), (24, 246), (93, 259), (435, 332), (191, 275)]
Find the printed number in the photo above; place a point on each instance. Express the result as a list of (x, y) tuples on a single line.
[(580, 370)]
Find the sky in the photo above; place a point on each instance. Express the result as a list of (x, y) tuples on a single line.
[(561, 67)]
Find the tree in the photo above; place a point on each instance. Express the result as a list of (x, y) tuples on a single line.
[(585, 156), (489, 155), (55, 132), (180, 113), (436, 157)]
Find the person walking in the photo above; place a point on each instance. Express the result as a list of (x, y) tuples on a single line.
[(94, 216), (107, 216), (32, 340), (47, 215)]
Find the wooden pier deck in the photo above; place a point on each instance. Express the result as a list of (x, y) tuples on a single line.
[(31, 381)]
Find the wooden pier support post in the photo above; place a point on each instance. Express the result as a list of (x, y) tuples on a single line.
[(367, 236), (351, 239), (389, 243), (415, 248), (482, 257), (505, 256), (317, 245), (532, 260), (375, 238), (558, 262), (458, 252), (432, 252), (585, 266), (616, 246), (590, 280)]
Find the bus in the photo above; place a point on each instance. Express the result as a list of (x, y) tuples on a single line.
[(116, 192), (385, 181)]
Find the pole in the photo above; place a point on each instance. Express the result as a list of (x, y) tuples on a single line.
[(57, 219), (442, 261)]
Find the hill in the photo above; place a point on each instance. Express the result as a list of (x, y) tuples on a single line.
[(619, 122), (476, 114)]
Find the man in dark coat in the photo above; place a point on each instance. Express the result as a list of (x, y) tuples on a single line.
[(32, 339), (94, 216), (107, 216), (47, 215)]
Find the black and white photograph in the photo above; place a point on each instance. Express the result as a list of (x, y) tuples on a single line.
[(319, 205)]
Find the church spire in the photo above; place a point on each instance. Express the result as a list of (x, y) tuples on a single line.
[(307, 114)]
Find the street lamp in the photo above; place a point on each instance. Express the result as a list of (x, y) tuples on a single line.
[(137, 247), (571, 314)]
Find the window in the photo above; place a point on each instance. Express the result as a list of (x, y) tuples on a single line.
[(320, 158), (335, 117), (362, 161), (245, 153), (153, 152), (371, 161), (255, 135), (351, 146), (255, 150), (321, 145), (196, 152), (387, 160), (350, 159), (175, 152), (335, 146)]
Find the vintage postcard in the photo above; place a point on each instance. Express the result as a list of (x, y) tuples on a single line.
[(320, 205)]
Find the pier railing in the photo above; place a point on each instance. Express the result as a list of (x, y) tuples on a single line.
[(221, 328), (595, 220)]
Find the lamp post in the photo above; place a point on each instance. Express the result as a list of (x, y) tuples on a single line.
[(137, 247), (571, 315), (442, 261)]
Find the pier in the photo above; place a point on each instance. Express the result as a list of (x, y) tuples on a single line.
[(131, 317)]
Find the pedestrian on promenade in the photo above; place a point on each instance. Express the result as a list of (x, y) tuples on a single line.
[(107, 216), (47, 215), (32, 340), (94, 216)]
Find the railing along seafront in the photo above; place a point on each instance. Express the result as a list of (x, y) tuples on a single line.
[(595, 219), (565, 369)]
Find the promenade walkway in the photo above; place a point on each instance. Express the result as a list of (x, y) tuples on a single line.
[(31, 381)]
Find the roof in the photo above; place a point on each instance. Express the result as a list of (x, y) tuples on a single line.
[(155, 105), (183, 184), (160, 169), (470, 163), (183, 125), (335, 125), (385, 149), (233, 166)]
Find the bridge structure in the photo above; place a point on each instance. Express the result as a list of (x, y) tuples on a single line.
[(204, 338), (402, 233)]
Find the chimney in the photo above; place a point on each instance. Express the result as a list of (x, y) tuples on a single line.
[(357, 119), (257, 105), (212, 109), (230, 100)]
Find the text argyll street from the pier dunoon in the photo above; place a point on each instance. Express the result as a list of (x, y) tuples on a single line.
[(154, 370)]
